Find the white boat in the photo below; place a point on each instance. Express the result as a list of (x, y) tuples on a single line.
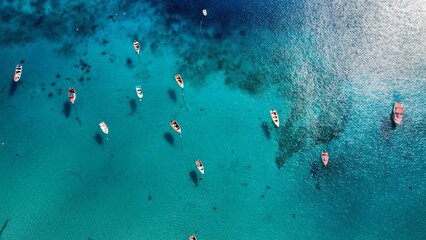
[(139, 92), (104, 127), (176, 126), (72, 95), (18, 73), (192, 237), (275, 117), (200, 166), (205, 12), (136, 46), (179, 80)]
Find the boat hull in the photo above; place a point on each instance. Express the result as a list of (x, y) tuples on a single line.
[(179, 81), (139, 92), (397, 113), (18, 73), (200, 166), (175, 126), (275, 118), (324, 158), (104, 127), (136, 46), (72, 95)]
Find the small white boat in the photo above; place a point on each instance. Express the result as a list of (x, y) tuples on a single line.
[(179, 80), (398, 111), (200, 166), (136, 46), (275, 117), (139, 92), (324, 157), (204, 12), (72, 95), (104, 127), (192, 237), (18, 73), (175, 126)]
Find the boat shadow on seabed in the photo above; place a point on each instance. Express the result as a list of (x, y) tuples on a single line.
[(172, 95), (66, 110), (316, 175), (99, 139), (133, 106), (266, 130), (13, 87), (194, 177), (169, 138)]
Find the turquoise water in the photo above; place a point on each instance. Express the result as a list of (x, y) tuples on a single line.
[(332, 70)]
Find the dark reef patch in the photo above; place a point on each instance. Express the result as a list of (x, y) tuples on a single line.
[(67, 49), (63, 19), (319, 115), (253, 83), (84, 66)]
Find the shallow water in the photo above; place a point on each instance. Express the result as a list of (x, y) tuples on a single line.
[(332, 70)]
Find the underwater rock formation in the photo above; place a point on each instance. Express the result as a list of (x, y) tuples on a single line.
[(53, 20)]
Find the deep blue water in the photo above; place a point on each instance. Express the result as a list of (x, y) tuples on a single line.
[(332, 70)]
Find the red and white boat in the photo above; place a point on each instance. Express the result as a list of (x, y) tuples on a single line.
[(72, 95), (398, 111), (324, 157), (200, 166), (192, 237), (139, 92), (175, 126), (104, 127), (275, 117), (179, 80), (136, 46), (18, 73)]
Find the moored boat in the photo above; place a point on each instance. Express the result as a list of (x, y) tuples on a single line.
[(398, 111), (192, 237), (72, 95), (136, 46), (324, 157), (179, 80), (104, 127), (275, 117), (18, 73), (205, 12), (175, 126), (200, 166), (139, 92)]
